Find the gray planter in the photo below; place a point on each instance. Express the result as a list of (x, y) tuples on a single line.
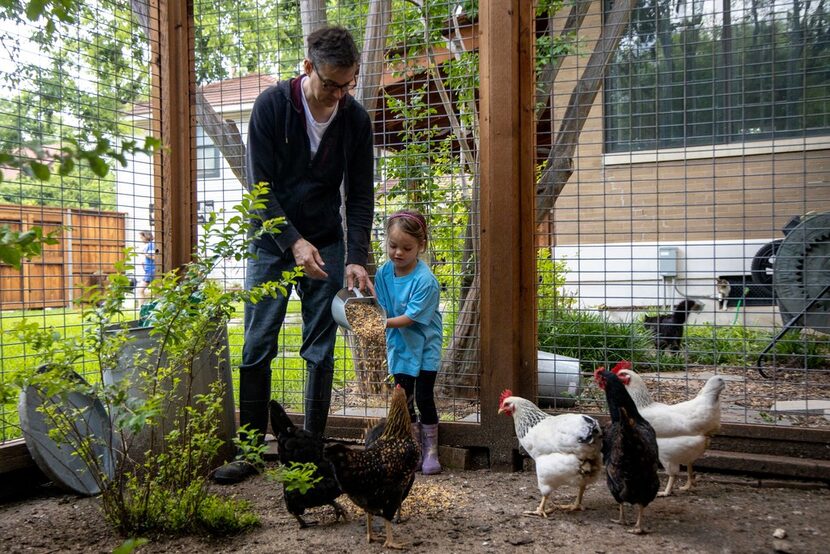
[(140, 353)]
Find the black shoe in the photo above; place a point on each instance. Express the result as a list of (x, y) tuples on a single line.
[(234, 472)]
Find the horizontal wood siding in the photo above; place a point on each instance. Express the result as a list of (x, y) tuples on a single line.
[(747, 196)]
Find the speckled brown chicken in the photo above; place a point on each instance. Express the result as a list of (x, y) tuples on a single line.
[(377, 478)]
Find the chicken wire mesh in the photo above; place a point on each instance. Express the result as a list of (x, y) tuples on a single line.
[(704, 150), (72, 81), (706, 140)]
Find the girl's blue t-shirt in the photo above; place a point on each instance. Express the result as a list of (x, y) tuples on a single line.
[(417, 347)]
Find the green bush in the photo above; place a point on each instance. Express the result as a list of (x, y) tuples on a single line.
[(592, 338), (166, 438), (595, 340)]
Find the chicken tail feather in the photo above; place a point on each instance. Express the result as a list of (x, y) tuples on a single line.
[(280, 422)]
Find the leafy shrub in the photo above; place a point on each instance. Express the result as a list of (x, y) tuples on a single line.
[(592, 338), (159, 483)]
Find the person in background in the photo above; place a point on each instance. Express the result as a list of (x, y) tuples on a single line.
[(306, 136), (149, 266), (410, 294)]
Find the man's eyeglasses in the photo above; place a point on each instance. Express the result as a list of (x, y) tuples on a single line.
[(328, 84)]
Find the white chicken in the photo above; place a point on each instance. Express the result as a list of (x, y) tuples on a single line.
[(684, 430), (567, 448)]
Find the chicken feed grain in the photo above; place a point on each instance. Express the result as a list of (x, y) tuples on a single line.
[(369, 345)]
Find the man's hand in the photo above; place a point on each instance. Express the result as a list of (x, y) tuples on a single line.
[(308, 257), (357, 276)]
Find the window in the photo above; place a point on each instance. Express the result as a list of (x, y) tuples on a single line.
[(207, 156), (695, 72), (203, 210)]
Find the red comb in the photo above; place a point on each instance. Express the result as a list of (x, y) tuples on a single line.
[(504, 394), (623, 364), (598, 377)]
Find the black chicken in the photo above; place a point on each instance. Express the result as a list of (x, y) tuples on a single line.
[(301, 446), (668, 328), (629, 450), (378, 478)]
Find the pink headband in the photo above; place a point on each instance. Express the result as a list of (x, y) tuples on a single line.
[(412, 217)]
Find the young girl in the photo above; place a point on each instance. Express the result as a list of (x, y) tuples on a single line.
[(409, 292), (149, 252)]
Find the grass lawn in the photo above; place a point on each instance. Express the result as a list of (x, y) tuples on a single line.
[(288, 375)]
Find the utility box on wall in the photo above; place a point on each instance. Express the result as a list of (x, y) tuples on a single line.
[(667, 261)]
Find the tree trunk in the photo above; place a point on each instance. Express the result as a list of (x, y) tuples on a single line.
[(459, 375), (547, 75), (313, 15), (560, 160), (372, 56), (225, 136)]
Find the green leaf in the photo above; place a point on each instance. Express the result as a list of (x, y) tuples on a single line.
[(129, 545), (66, 167), (41, 171), (35, 9), (10, 255), (98, 165)]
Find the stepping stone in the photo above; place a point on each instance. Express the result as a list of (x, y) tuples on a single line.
[(804, 407)]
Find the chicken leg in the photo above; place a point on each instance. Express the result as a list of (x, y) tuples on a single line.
[(303, 523), (669, 485), (690, 482), (674, 469), (540, 511), (638, 527), (339, 511), (577, 505), (390, 542), (370, 537), (621, 521)]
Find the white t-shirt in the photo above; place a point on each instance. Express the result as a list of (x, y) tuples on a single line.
[(314, 128)]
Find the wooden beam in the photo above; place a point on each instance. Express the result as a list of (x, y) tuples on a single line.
[(508, 338), (174, 110)]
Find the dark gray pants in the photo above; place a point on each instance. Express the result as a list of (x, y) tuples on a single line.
[(263, 322)]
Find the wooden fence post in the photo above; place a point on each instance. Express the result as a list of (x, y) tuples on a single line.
[(508, 316), (174, 108)]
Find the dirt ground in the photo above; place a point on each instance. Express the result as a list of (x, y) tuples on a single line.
[(472, 511)]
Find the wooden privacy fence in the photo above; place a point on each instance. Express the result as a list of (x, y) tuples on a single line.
[(88, 247)]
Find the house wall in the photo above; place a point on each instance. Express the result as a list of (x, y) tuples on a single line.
[(135, 195), (716, 204)]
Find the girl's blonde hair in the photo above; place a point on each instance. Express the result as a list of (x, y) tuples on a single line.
[(410, 222), (148, 235)]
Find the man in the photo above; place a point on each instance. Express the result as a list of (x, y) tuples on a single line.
[(306, 136)]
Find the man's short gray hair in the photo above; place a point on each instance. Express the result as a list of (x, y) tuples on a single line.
[(333, 46)]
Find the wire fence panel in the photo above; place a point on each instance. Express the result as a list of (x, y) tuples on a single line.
[(417, 79), (690, 163), (703, 156), (74, 93)]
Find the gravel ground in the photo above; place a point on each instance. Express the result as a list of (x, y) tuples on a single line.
[(471, 511)]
